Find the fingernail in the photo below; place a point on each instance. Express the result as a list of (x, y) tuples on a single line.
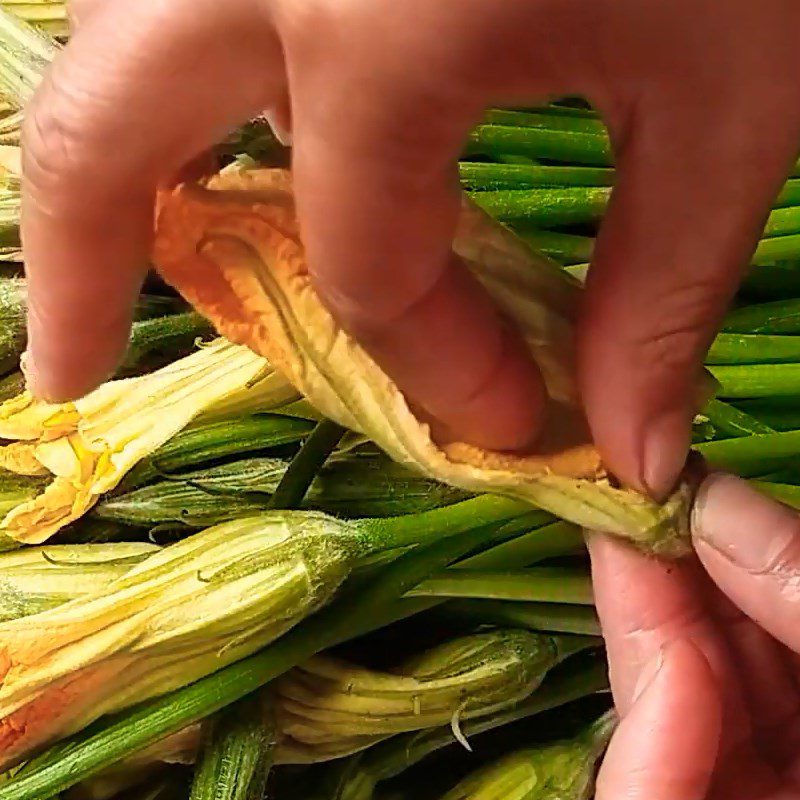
[(743, 525), (649, 674), (666, 444)]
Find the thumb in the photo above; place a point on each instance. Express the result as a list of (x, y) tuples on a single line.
[(666, 746), (750, 546), (693, 192)]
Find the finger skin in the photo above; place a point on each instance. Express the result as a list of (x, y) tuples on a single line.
[(750, 546), (103, 130), (667, 745)]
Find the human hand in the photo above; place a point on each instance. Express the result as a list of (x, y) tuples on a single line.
[(706, 677), (703, 104)]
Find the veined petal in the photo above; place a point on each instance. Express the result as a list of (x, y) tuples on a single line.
[(88, 446), (233, 250)]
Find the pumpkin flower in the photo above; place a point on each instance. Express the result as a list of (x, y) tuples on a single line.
[(182, 613), (86, 447), (232, 248)]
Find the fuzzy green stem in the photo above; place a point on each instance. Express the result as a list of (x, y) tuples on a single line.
[(775, 318), (237, 753), (305, 466), (731, 422), (780, 413), (566, 248), (412, 529), (536, 584), (742, 348), (752, 456), (545, 207), (536, 119), (479, 176), (553, 617), (549, 143), (549, 541), (217, 440), (757, 380), (169, 333)]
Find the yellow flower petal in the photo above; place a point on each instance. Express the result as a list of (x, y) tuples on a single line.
[(89, 445), (233, 250)]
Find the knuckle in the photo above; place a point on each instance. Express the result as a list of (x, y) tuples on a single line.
[(59, 152), (677, 333)]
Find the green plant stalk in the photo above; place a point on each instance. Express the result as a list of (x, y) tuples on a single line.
[(12, 385), (782, 222), (352, 485), (174, 334), (537, 119), (752, 456), (551, 617), (357, 778), (742, 348), (552, 144), (12, 322), (303, 468), (549, 541), (757, 380), (729, 421), (780, 413), (545, 207), (206, 442), (115, 738), (536, 584), (480, 176), (775, 318), (24, 54), (566, 248), (777, 248), (237, 753)]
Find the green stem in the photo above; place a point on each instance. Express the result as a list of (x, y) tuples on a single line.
[(113, 739), (536, 119), (480, 176), (552, 144), (777, 317), (742, 348), (752, 456), (169, 333), (782, 222), (778, 248), (730, 421), (549, 541), (780, 413), (545, 207), (789, 195), (757, 380), (566, 248), (237, 753), (217, 440), (552, 617), (412, 529), (305, 466), (536, 584)]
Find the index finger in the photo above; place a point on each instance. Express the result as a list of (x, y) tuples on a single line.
[(139, 91)]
